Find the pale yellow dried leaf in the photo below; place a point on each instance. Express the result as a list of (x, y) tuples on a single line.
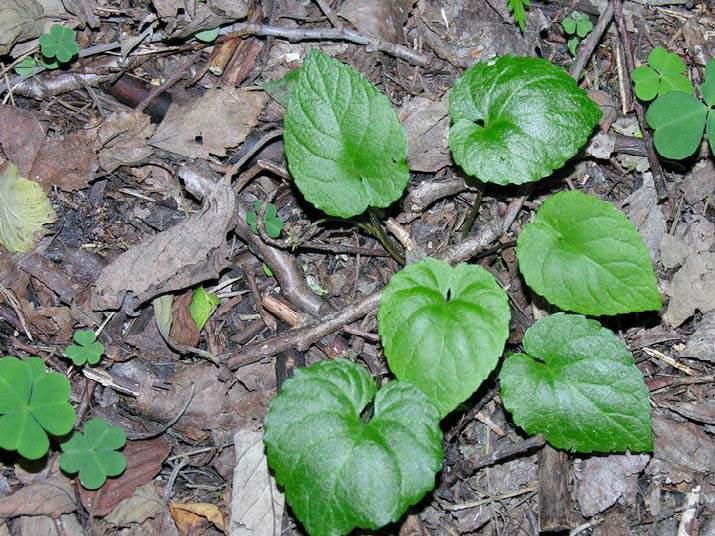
[(24, 209)]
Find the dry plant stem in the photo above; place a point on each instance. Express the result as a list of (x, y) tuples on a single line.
[(337, 34), (267, 318), (375, 229), (283, 266), (426, 193), (231, 171), (554, 497), (326, 9), (173, 79), (303, 337), (589, 44), (655, 167), (473, 212), (134, 436), (688, 525)]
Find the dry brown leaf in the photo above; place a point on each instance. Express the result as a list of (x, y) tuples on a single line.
[(123, 140), (643, 210), (702, 343), (184, 330), (48, 324), (144, 461), (605, 479), (21, 20), (256, 504), (427, 127), (208, 125), (144, 503), (377, 18), (191, 518), (683, 444), (699, 184), (67, 162), (47, 526), (180, 257), (202, 415), (692, 288), (52, 496), (21, 137)]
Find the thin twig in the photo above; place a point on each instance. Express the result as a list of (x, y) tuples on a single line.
[(148, 435), (589, 44), (655, 167), (173, 79), (302, 338), (337, 34)]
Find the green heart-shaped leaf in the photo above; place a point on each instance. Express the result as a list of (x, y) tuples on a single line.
[(443, 329), (345, 147), (578, 386), (679, 121), (515, 120), (340, 470), (583, 255)]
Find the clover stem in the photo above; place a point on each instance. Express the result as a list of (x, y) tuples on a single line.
[(375, 229), (473, 212)]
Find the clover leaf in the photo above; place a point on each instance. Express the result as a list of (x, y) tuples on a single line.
[(515, 120), (345, 146), (27, 67), (59, 42), (203, 305), (33, 403), (93, 453), (443, 329), (271, 221), (578, 24), (679, 119), (207, 36), (578, 385), (87, 350), (340, 469), (583, 255), (663, 73)]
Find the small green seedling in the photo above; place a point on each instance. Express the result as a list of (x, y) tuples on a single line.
[(664, 73), (680, 119), (341, 469), (207, 36), (27, 67), (203, 305), (93, 453), (577, 25), (271, 220), (87, 350), (518, 11), (60, 43), (33, 403), (517, 119), (577, 384)]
